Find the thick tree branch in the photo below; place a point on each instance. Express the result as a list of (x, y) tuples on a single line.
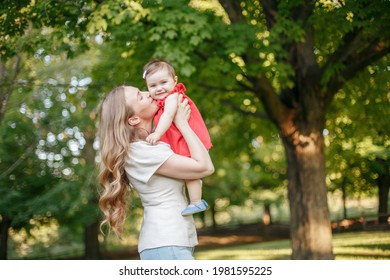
[(302, 12), (11, 168), (276, 110), (351, 42), (5, 79), (372, 53), (356, 63), (300, 53), (362, 46), (233, 10), (270, 12), (299, 13)]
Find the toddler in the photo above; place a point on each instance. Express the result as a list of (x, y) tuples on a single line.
[(161, 81)]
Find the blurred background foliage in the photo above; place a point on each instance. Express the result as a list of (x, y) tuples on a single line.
[(58, 58)]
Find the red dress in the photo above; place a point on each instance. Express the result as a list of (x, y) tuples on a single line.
[(173, 136)]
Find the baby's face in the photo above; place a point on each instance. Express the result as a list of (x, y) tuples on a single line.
[(160, 83)]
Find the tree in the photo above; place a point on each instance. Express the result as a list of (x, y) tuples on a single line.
[(26, 25), (288, 58), (41, 30), (47, 151), (26, 183), (319, 59), (280, 60), (358, 131)]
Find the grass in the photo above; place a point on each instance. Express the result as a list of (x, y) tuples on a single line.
[(365, 245), (372, 245)]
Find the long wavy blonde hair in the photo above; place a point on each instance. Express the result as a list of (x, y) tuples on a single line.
[(115, 134)]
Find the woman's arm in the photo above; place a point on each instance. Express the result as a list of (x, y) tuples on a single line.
[(166, 119), (199, 164)]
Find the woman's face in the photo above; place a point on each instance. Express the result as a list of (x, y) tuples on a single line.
[(144, 106)]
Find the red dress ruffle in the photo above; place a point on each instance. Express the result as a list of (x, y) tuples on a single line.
[(173, 136)]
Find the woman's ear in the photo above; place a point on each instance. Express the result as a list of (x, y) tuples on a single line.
[(133, 121)]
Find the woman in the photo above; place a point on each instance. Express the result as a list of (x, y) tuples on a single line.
[(154, 171)]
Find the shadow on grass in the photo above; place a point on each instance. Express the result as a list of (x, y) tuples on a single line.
[(347, 246), (381, 246)]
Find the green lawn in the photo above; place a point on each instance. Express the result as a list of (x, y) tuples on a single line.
[(372, 245)]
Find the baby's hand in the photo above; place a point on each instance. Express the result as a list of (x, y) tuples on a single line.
[(153, 138)]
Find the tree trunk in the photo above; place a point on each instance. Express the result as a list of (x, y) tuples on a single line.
[(267, 221), (267, 214), (213, 212), (5, 224), (383, 192), (8, 77), (311, 235), (91, 229), (344, 192), (91, 241)]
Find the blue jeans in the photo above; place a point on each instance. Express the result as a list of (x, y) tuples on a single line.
[(168, 253)]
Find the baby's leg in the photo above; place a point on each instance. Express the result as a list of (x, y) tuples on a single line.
[(197, 204), (194, 188)]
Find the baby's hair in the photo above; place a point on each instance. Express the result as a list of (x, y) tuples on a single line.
[(156, 65)]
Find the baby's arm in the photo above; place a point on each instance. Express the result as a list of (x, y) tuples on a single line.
[(166, 119)]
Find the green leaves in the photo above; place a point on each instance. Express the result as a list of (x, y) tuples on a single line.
[(25, 23), (358, 134), (220, 61), (177, 34)]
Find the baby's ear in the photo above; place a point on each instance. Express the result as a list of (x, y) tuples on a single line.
[(133, 121)]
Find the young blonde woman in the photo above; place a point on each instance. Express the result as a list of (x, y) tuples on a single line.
[(154, 171)]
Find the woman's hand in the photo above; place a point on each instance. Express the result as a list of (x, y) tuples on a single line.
[(183, 112)]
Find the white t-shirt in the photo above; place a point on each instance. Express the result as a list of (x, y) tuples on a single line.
[(163, 198)]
